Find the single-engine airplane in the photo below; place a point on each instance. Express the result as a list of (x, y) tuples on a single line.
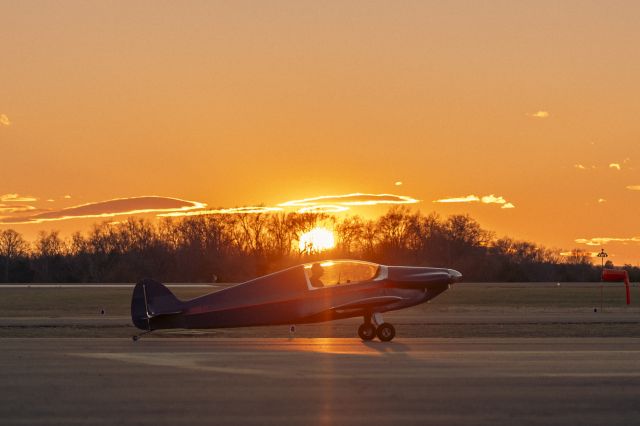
[(308, 293)]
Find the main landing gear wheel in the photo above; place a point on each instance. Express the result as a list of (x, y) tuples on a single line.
[(367, 331), (386, 332)]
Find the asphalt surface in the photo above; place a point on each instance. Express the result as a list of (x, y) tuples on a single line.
[(320, 381)]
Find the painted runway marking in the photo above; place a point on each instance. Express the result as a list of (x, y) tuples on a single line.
[(178, 360), (416, 363)]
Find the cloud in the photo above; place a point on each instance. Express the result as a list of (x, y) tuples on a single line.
[(398, 183), (492, 199), (355, 199), (601, 200), (17, 198), (633, 187), (486, 199), (15, 208), (110, 208), (579, 167), (232, 210), (581, 253), (323, 209), (67, 197), (599, 241), (615, 166), (540, 114), (4, 120), (467, 199), (321, 204)]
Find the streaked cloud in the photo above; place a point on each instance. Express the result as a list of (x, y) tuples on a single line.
[(486, 199), (17, 198), (175, 207), (599, 241), (581, 253), (467, 199), (323, 209), (321, 204), (4, 120), (232, 210), (109, 208), (633, 187), (15, 208), (615, 166), (355, 199), (539, 114), (579, 166)]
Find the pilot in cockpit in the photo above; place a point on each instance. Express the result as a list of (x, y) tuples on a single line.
[(316, 273)]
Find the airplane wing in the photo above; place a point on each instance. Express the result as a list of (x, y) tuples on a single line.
[(368, 302)]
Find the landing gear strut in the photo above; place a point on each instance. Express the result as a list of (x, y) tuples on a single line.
[(373, 326)]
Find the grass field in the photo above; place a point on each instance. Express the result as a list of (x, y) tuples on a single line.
[(86, 301)]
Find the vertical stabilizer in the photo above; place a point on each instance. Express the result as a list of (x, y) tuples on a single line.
[(152, 299)]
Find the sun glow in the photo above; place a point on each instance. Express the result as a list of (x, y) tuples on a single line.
[(318, 239)]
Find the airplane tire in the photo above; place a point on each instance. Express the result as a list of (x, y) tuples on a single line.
[(367, 332), (386, 332)]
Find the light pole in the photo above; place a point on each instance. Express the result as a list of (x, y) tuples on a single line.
[(602, 255)]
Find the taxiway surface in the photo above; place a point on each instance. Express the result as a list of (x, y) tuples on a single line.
[(320, 381)]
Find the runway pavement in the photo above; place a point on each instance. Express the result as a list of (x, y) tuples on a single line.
[(320, 381)]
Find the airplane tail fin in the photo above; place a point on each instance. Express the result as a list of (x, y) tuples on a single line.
[(151, 299)]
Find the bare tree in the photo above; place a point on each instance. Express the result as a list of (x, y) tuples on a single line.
[(12, 246), (350, 233), (48, 249), (578, 256)]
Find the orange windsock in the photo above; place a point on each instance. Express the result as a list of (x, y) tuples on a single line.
[(618, 275)]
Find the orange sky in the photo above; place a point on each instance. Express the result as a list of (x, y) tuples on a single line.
[(241, 103)]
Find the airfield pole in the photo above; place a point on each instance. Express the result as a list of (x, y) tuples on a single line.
[(602, 255)]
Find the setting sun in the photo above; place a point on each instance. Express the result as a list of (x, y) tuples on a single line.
[(318, 239)]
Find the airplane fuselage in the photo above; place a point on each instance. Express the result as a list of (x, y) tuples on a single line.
[(287, 297)]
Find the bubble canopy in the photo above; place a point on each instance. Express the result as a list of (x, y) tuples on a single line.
[(331, 273)]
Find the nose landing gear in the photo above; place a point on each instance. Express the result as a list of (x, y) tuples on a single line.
[(373, 326)]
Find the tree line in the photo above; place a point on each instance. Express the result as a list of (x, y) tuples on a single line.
[(232, 248)]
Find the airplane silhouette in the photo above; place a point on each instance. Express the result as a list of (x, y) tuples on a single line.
[(307, 293)]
